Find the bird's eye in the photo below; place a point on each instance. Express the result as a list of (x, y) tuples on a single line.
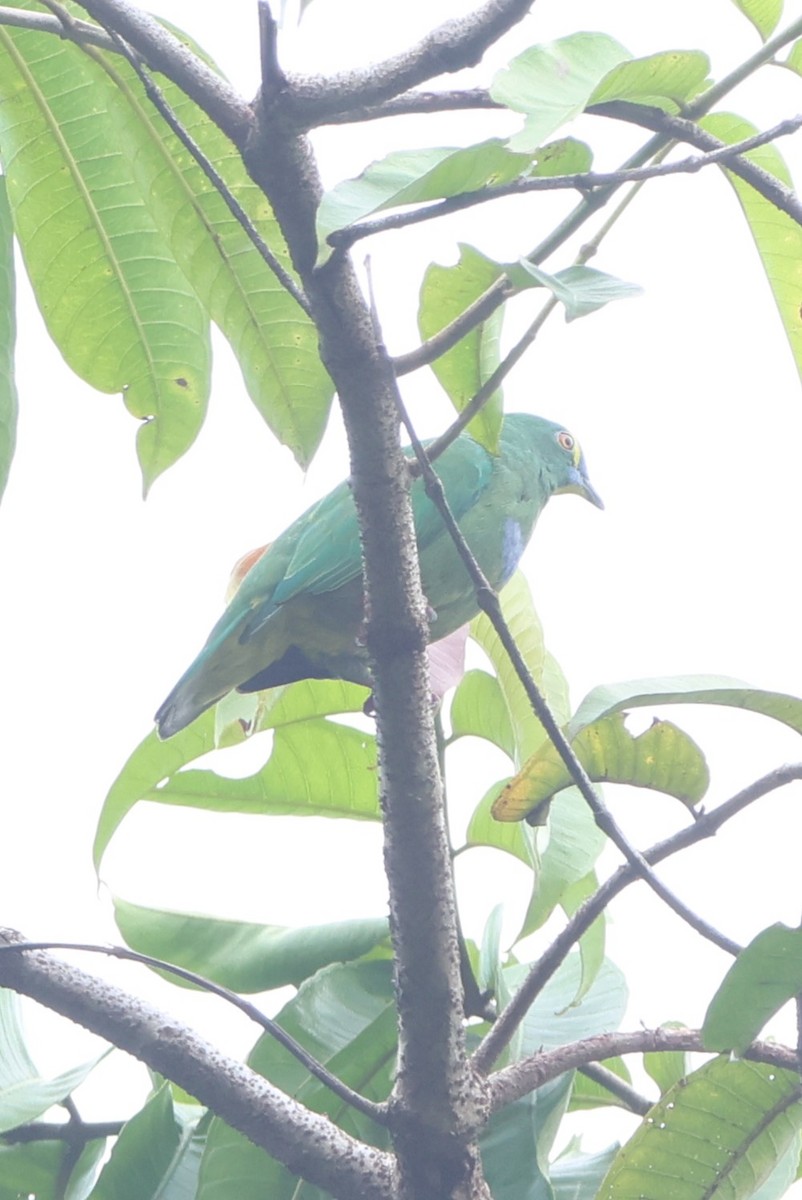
[(565, 440)]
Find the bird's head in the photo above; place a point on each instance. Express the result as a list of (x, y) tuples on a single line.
[(568, 467)]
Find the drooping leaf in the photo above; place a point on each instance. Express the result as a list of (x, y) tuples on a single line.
[(114, 300), (665, 80), (490, 951), (662, 757), (154, 760), (24, 1093), (148, 1153), (764, 14), (479, 710), (242, 955), (610, 698), (765, 975), (273, 339), (581, 290), (515, 838), (577, 1176), (777, 236), (575, 843), (345, 1018), (8, 330), (519, 613), (445, 293), (593, 941), (552, 83), (742, 1115)]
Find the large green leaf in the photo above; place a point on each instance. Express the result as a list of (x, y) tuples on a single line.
[(662, 758), (317, 768), (721, 1132), (765, 975), (154, 760), (24, 1093), (777, 236), (148, 1153), (345, 1018), (446, 292), (241, 955), (578, 1176), (553, 83), (665, 80), (519, 612), (273, 339), (8, 387), (516, 1146), (764, 14), (610, 698), (114, 300)]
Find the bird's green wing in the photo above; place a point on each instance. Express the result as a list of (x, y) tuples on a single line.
[(327, 552)]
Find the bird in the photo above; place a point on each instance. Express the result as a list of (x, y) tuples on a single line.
[(299, 610)]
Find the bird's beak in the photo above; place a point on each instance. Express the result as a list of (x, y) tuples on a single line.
[(580, 485)]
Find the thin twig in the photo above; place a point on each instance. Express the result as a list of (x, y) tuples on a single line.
[(584, 181), (618, 1087), (376, 1112), (72, 1132), (273, 78), (705, 826), (83, 31)]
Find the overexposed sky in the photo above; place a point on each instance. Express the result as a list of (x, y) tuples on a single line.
[(689, 409)]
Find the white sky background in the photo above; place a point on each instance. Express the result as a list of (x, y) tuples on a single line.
[(689, 409)]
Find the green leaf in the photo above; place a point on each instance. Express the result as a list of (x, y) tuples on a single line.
[(662, 758), (490, 951), (85, 1171), (8, 331), (30, 1170), (593, 941), (587, 1093), (610, 698), (777, 236), (515, 838), (581, 290), (764, 14), (515, 1145), (478, 709), (114, 300), (317, 769), (241, 955), (445, 293), (665, 80), (765, 975), (553, 83), (794, 59), (345, 1018), (24, 1093), (741, 1117), (274, 341), (154, 760), (578, 1176), (519, 613), (147, 1154), (574, 845), (414, 176), (666, 1067), (783, 1175)]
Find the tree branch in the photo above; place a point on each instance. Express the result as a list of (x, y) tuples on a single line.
[(520, 1078), (451, 47), (163, 52), (88, 34), (307, 1143), (705, 826), (618, 1087), (418, 102)]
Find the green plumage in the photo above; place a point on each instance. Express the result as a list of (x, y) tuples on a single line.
[(298, 613)]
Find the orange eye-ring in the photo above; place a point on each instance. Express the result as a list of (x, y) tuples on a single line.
[(565, 440)]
